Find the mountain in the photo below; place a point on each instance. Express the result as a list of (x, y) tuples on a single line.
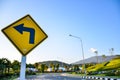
[(94, 59), (61, 64)]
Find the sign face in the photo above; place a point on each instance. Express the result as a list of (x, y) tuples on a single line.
[(25, 34)]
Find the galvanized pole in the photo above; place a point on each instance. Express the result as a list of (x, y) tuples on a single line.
[(83, 55), (82, 50), (23, 68)]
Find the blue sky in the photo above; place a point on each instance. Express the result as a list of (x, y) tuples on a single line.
[(97, 22)]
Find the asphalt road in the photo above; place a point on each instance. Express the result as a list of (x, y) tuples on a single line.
[(52, 76)]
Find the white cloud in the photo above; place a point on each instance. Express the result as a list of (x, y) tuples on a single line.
[(93, 50)]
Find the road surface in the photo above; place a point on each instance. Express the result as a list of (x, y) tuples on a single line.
[(52, 76)]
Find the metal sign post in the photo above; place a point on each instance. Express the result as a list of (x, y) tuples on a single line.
[(17, 34), (23, 68)]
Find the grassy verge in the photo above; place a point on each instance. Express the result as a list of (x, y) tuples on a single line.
[(99, 75), (9, 78)]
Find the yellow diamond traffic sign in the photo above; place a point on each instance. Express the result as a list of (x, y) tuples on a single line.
[(25, 34)]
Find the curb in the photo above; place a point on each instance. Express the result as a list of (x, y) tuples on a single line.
[(100, 78)]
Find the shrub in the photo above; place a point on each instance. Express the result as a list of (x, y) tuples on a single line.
[(110, 73), (30, 73), (91, 72), (117, 73)]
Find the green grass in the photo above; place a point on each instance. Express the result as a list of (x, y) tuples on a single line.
[(103, 75), (9, 78), (99, 75), (111, 65)]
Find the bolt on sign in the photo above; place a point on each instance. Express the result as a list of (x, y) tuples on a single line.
[(25, 34)]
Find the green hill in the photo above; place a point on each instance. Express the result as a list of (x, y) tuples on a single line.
[(61, 64), (113, 64)]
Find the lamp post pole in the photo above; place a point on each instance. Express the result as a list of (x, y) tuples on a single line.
[(81, 49)]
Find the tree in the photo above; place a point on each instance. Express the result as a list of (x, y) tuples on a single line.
[(66, 67), (42, 68), (16, 66), (96, 55), (57, 67), (76, 68), (5, 65), (8, 65), (93, 50), (36, 65), (103, 56), (51, 65), (46, 67), (53, 68), (30, 66), (1, 66), (111, 51)]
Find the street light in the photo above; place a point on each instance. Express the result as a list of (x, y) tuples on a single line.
[(81, 48)]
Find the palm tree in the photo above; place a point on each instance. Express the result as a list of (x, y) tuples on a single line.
[(42, 68), (53, 68), (51, 65), (76, 68), (36, 65), (96, 55), (93, 50), (46, 67), (66, 67), (1, 67), (57, 66), (103, 56), (111, 51), (5, 63), (8, 64)]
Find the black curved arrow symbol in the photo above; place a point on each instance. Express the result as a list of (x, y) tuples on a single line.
[(20, 28)]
